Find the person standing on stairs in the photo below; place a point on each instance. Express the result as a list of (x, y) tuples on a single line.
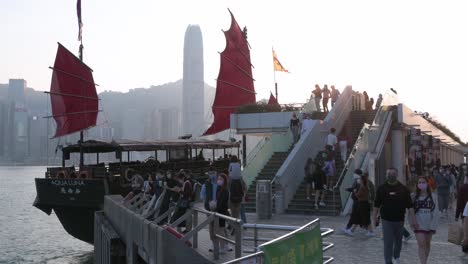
[(334, 95), (326, 97), (343, 143), (294, 125), (319, 182), (317, 96), (309, 172)]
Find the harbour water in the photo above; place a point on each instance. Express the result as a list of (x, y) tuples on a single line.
[(28, 235)]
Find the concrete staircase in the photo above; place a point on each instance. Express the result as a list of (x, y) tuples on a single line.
[(354, 124), (267, 173), (299, 204)]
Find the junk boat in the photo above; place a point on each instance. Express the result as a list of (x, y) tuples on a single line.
[(74, 194)]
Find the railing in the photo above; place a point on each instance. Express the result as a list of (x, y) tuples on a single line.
[(291, 173), (259, 256), (263, 152)]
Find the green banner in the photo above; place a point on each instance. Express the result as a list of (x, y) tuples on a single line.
[(302, 247)]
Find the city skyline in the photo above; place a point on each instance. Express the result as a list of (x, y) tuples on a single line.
[(414, 47)]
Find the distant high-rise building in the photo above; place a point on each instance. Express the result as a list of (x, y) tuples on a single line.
[(3, 127), (16, 88), (169, 118), (193, 115), (18, 121)]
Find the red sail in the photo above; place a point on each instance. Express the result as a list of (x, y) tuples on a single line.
[(234, 85), (272, 100), (73, 94)]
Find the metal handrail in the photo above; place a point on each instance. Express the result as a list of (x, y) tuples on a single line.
[(295, 229)]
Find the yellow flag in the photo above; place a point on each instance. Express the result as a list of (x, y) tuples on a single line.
[(276, 64)]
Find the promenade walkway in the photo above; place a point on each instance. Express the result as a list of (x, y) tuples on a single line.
[(362, 249)]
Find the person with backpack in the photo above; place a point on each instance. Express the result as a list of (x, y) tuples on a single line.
[(426, 215), (236, 189)]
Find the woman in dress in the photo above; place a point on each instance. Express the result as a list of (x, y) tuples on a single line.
[(426, 215)]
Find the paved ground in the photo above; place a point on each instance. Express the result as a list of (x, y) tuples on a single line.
[(362, 249)]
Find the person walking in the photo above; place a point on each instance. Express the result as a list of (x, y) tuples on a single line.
[(343, 143), (309, 172), (462, 199), (392, 201), (334, 95), (317, 97), (184, 189), (294, 125), (354, 217), (363, 207), (326, 97), (221, 207), (319, 182), (426, 218), (236, 190), (443, 183)]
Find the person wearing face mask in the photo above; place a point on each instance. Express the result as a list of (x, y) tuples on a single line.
[(159, 184), (170, 185), (221, 207), (392, 201), (209, 188), (184, 189), (462, 198), (426, 216), (443, 182), (354, 217)]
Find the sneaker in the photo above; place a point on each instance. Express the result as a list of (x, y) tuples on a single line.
[(308, 198), (396, 261), (370, 234), (406, 239), (316, 206), (322, 204), (228, 248), (348, 232)]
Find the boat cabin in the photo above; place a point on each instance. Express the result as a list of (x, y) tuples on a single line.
[(171, 155)]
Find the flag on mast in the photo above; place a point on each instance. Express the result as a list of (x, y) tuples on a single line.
[(276, 64), (80, 23)]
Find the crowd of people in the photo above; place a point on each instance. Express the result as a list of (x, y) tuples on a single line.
[(322, 96), (393, 202), (223, 192)]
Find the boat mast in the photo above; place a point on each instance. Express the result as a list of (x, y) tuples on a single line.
[(81, 132)]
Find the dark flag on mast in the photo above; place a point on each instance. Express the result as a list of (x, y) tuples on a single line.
[(80, 23)]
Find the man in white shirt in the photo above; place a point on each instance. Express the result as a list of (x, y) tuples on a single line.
[(306, 124), (332, 140)]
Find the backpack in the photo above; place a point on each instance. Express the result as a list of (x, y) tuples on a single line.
[(236, 191)]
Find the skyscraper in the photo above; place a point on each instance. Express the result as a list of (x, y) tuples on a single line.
[(18, 126), (193, 115)]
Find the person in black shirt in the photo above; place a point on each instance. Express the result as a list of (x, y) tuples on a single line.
[(294, 126), (392, 200)]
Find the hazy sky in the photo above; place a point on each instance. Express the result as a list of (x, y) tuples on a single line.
[(420, 48)]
